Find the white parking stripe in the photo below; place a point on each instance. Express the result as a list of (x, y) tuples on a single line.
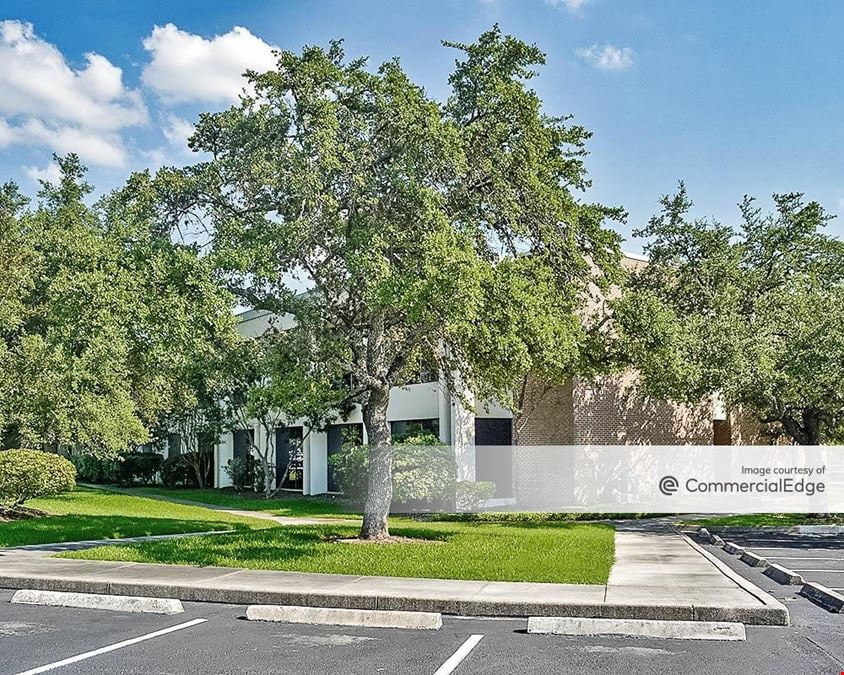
[(111, 648), (824, 571), (455, 659), (797, 557)]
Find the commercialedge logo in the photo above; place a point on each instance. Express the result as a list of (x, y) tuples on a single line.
[(668, 485)]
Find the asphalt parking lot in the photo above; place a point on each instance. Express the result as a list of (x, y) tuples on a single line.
[(47, 639), (815, 557)]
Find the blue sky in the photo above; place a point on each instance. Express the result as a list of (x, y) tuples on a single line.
[(733, 97)]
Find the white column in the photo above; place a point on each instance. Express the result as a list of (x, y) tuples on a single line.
[(463, 433), (317, 463), (224, 452)]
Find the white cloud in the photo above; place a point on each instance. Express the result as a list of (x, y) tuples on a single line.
[(6, 134), (189, 68), (45, 102), (607, 57), (50, 173), (36, 81), (570, 5), (92, 146), (176, 130)]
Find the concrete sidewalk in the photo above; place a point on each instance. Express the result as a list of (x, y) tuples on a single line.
[(657, 575)]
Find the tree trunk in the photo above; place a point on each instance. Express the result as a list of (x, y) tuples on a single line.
[(806, 430), (200, 478), (379, 492), (268, 476), (812, 427)]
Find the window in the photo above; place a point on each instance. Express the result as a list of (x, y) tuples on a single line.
[(174, 445), (404, 428), (243, 440)]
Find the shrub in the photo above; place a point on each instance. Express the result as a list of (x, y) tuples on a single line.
[(423, 470), (27, 474), (93, 469), (177, 472), (139, 467), (471, 495), (245, 472)]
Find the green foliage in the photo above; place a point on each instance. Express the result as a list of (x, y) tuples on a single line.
[(139, 467), (751, 313), (26, 474), (244, 472), (178, 471), (423, 471), (471, 495), (95, 469), (100, 310)]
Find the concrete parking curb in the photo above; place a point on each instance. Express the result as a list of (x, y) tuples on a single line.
[(675, 630), (733, 549), (823, 596), (115, 603), (332, 616), (783, 575), (753, 560)]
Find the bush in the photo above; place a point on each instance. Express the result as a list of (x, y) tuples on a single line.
[(27, 474), (245, 472), (471, 495), (177, 472), (423, 471), (139, 467), (93, 469)]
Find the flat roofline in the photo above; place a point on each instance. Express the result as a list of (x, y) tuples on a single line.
[(635, 256)]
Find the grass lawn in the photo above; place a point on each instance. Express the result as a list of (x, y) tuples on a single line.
[(93, 514), (560, 552), (769, 519), (310, 507)]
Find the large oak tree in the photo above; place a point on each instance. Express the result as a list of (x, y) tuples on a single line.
[(751, 313), (447, 232)]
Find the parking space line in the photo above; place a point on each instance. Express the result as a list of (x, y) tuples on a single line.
[(111, 648), (462, 652), (797, 557), (824, 571)]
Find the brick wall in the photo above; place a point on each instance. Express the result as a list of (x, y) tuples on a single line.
[(548, 416), (612, 410)]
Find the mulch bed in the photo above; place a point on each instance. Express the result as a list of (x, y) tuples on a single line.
[(8, 514)]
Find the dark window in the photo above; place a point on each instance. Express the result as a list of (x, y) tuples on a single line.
[(174, 445), (403, 428), (289, 461), (340, 435), (243, 440), (493, 453)]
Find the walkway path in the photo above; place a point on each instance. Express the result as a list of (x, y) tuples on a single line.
[(262, 515)]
